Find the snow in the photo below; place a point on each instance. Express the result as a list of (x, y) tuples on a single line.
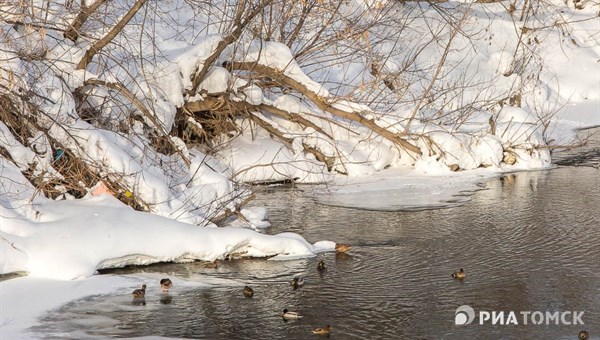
[(511, 114), (431, 185), (191, 61), (263, 159), (182, 190), (216, 80), (34, 296), (279, 57), (100, 232), (257, 216)]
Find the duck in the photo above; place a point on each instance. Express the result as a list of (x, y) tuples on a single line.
[(139, 293), (322, 330), (166, 284), (342, 247), (584, 335), (286, 314), (297, 282), (321, 266), (248, 292), (460, 275)]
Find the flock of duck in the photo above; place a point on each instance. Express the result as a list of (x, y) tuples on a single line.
[(248, 292), (286, 314), (166, 284), (139, 296)]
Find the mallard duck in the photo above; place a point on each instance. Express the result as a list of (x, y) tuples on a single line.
[(322, 331), (139, 293), (459, 274), (584, 335), (297, 282), (166, 284), (321, 265), (286, 314), (342, 247), (248, 292)]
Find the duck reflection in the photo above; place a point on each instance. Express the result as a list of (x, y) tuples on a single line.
[(166, 299)]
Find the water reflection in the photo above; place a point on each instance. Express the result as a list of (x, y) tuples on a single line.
[(166, 299), (529, 242), (138, 301)]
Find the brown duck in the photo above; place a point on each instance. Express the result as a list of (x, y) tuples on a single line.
[(139, 293), (322, 330), (248, 292), (460, 275), (166, 284)]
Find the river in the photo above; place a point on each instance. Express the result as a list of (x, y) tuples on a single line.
[(528, 242)]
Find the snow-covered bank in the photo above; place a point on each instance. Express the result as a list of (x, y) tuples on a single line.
[(174, 121), (65, 242), (72, 239), (366, 101)]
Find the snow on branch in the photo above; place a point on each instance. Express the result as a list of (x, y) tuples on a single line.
[(325, 104)]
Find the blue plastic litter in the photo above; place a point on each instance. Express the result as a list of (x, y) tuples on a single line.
[(58, 154)]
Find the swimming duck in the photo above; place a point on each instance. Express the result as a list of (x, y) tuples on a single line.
[(460, 275), (139, 293), (248, 292), (166, 284), (322, 331), (584, 335), (321, 266), (297, 282), (286, 314), (342, 247)]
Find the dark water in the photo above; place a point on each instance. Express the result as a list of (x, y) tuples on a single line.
[(529, 242)]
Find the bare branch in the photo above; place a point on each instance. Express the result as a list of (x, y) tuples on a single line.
[(239, 25), (95, 48), (140, 106), (73, 32), (322, 104), (439, 68)]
